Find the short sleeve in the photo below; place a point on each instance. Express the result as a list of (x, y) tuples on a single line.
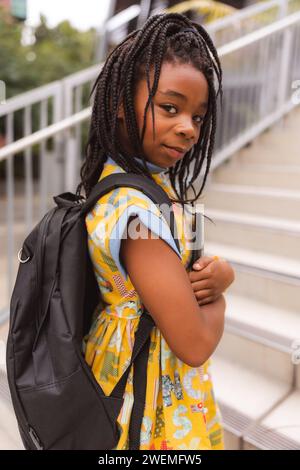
[(125, 203)]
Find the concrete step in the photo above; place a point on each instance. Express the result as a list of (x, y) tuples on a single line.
[(4, 295), (254, 377), (244, 396), (277, 145), (279, 430), (271, 176), (267, 153), (250, 380), (289, 123), (9, 433), (9, 439), (269, 235), (268, 202), (281, 140), (265, 324), (254, 354), (259, 276)]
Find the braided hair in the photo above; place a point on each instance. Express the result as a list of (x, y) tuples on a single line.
[(168, 37)]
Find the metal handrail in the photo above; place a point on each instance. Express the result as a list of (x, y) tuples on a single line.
[(246, 13), (255, 36), (76, 118), (29, 98), (122, 18), (267, 100), (44, 134)]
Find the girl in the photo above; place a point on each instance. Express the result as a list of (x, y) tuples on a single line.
[(169, 64)]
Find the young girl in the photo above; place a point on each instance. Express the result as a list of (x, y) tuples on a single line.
[(169, 64)]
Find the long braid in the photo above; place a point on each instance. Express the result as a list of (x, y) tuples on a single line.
[(160, 40)]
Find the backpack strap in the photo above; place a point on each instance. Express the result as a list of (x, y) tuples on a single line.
[(139, 386), (139, 358)]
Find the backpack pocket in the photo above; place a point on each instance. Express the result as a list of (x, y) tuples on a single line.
[(70, 415)]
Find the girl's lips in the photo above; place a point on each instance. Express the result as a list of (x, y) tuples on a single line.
[(174, 153)]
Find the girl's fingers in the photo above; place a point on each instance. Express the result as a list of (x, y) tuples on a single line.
[(201, 285), (205, 273), (203, 294), (208, 300), (202, 262)]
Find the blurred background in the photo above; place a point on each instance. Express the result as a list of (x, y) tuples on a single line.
[(49, 59)]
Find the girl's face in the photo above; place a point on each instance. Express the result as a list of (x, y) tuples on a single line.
[(180, 104)]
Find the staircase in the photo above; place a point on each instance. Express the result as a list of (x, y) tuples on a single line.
[(254, 200), (9, 433)]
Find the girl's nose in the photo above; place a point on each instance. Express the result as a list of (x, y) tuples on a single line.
[(187, 129)]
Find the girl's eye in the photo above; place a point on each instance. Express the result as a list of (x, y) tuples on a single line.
[(201, 119), (168, 106)]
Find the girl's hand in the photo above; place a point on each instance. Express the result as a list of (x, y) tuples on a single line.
[(210, 279)]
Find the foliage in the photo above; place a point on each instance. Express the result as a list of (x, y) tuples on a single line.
[(55, 53), (203, 10)]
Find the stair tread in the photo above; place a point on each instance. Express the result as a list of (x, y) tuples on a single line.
[(267, 167), (254, 190), (265, 261), (258, 317), (236, 387), (257, 220), (285, 418), (9, 433)]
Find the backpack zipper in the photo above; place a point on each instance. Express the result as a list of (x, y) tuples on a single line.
[(35, 439), (20, 414)]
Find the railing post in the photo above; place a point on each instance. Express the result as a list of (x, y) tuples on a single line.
[(58, 177), (70, 141), (10, 213), (285, 61), (144, 13), (283, 8), (101, 48)]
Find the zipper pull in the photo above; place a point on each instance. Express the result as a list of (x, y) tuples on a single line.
[(35, 439)]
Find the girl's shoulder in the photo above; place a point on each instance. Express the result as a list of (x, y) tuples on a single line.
[(107, 221), (120, 198), (116, 206)]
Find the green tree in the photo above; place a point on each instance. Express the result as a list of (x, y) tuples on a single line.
[(56, 52), (62, 50)]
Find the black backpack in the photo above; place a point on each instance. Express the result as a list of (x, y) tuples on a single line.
[(57, 401)]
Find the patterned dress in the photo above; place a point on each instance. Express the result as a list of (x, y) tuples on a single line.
[(181, 411)]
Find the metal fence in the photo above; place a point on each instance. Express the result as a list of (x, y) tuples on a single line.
[(222, 31), (250, 19), (259, 72)]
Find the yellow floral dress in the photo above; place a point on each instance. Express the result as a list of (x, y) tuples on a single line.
[(180, 411)]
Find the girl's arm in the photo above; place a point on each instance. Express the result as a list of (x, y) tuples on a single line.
[(163, 285), (210, 279)]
